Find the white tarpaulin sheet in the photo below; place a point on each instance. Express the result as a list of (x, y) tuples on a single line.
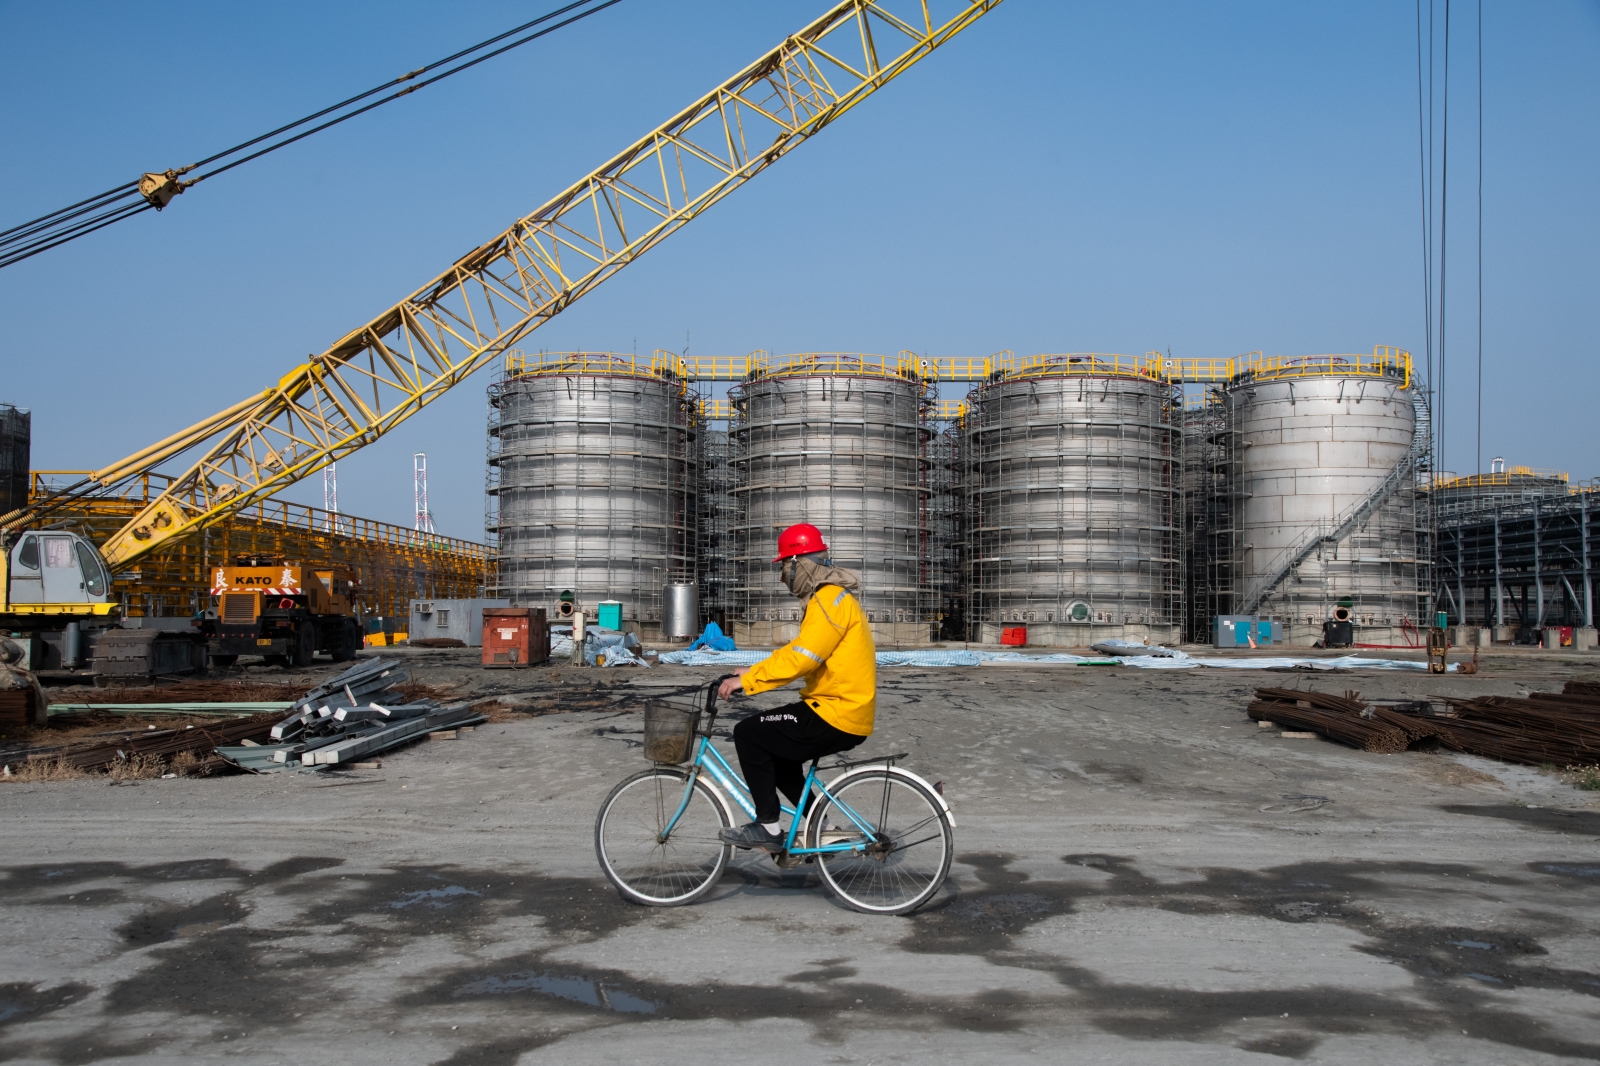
[(1173, 660)]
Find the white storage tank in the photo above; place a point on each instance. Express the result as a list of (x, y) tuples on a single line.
[(1325, 509)]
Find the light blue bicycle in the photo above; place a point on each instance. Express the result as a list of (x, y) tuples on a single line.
[(880, 836)]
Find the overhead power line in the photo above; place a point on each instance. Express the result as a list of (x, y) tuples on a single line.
[(156, 190)]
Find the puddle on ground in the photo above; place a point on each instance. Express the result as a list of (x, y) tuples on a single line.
[(1565, 869), (20, 1002), (577, 989), (434, 898)]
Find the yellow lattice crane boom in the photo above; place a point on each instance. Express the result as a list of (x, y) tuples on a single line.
[(380, 374)]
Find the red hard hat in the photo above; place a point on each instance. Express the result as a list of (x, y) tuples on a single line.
[(800, 539)]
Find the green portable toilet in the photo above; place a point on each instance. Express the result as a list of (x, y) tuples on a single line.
[(609, 614)]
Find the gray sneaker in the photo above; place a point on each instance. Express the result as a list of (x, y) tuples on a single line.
[(752, 836)]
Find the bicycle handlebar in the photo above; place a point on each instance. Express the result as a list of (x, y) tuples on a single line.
[(711, 701)]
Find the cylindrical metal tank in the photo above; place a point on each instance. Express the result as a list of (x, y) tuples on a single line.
[(596, 483), (1070, 468), (680, 611), (835, 440), (1318, 439)]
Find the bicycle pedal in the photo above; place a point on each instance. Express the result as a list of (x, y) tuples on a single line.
[(786, 861)]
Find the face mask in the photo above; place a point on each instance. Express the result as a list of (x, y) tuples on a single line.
[(786, 572)]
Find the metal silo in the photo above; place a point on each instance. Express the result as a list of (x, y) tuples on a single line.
[(1325, 511), (596, 484), (1070, 472), (835, 440)]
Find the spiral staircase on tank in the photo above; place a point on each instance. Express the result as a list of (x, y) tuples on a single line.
[(1417, 462)]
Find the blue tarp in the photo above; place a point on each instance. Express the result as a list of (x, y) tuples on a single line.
[(714, 639)]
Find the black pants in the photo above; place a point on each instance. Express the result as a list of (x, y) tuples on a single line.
[(773, 747)]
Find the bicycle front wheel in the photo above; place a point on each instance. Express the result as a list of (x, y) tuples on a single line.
[(906, 859), (647, 863)]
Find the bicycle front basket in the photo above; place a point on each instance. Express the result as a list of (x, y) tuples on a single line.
[(669, 732)]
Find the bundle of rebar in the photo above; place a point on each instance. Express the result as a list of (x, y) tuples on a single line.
[(199, 740), (1543, 728), (1558, 728), (1347, 719)]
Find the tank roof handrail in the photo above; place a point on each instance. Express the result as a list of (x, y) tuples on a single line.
[(521, 364)]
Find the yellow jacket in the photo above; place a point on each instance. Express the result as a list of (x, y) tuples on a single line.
[(835, 649)]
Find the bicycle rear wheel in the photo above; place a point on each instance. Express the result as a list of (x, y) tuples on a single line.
[(628, 838), (906, 860)]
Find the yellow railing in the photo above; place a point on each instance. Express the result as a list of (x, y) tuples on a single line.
[(845, 364), (707, 367), (519, 364), (712, 410), (1095, 364), (1507, 477), (1385, 361), (950, 410)]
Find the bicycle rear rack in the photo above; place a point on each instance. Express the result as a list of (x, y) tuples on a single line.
[(845, 764)]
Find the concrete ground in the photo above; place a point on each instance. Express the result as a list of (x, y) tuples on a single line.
[(1142, 876)]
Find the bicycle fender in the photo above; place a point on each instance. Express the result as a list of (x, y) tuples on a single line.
[(897, 770)]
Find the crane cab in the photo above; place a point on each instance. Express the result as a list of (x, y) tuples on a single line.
[(55, 572)]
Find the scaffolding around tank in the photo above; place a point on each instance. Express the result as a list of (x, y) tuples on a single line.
[(1070, 478), (838, 440), (717, 518), (593, 478)]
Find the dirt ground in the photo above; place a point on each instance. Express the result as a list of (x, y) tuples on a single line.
[(1143, 876)]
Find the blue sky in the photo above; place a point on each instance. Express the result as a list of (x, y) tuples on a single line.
[(1209, 178)]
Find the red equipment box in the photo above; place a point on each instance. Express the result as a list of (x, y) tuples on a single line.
[(515, 636), (1016, 636)]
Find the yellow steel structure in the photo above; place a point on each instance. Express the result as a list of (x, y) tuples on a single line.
[(1385, 361), (395, 563), (1509, 476), (380, 374)]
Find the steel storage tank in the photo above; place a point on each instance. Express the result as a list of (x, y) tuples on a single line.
[(1070, 468), (680, 612), (835, 440), (1325, 511), (596, 482)]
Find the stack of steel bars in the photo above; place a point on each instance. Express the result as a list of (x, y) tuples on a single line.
[(163, 744), (1348, 718), (1559, 728)]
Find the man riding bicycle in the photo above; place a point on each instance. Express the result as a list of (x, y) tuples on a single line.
[(835, 654)]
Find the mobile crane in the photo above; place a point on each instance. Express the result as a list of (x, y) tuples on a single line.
[(383, 372)]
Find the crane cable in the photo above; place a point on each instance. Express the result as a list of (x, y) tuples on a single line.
[(156, 190)]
